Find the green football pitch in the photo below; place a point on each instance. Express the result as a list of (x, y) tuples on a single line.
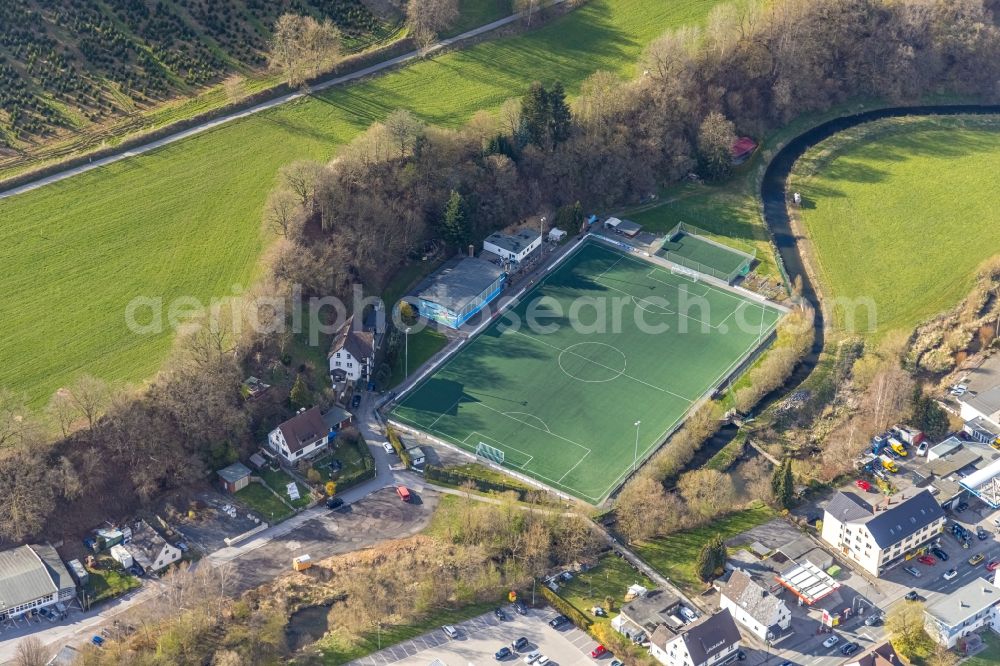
[(558, 381), (703, 255)]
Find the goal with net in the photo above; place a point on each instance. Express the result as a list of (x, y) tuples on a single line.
[(487, 452)]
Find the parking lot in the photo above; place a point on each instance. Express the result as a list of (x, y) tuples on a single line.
[(480, 638)]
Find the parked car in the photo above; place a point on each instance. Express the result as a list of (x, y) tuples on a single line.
[(531, 657), (403, 492), (520, 608), (558, 621), (913, 572), (976, 559), (951, 573), (388, 448), (598, 611), (863, 485), (334, 503), (849, 649), (617, 662), (502, 653), (992, 565), (687, 613), (520, 643), (97, 640), (831, 641), (981, 533), (874, 619), (542, 660), (940, 554), (356, 401), (927, 559), (912, 595), (450, 631), (922, 448), (500, 614), (962, 506), (598, 651)]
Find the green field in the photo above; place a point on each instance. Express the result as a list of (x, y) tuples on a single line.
[(185, 220), (899, 214), (704, 255), (616, 339), (675, 556)]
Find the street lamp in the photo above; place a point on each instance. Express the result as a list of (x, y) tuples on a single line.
[(635, 457), (406, 345)]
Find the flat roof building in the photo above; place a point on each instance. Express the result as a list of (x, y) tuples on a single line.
[(461, 290), (627, 228), (513, 247), (949, 617)]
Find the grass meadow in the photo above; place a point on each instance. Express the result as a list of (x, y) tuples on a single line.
[(184, 221), (901, 212)]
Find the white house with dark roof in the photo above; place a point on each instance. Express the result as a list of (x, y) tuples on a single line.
[(150, 550), (352, 355), (879, 536), (713, 640), (950, 617), (32, 577), (762, 613), (304, 435)]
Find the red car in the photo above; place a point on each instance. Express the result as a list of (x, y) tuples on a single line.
[(927, 559), (598, 651), (992, 566), (864, 485)]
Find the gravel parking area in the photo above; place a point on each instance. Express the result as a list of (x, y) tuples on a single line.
[(481, 637)]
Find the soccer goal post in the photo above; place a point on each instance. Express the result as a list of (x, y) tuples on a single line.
[(487, 452)]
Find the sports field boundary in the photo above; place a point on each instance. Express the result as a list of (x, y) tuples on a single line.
[(725, 377)]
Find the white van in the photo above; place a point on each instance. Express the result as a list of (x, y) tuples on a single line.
[(450, 631)]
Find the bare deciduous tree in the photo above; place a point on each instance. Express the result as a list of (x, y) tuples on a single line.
[(282, 212), (30, 652), (404, 128), (302, 47), (427, 18)]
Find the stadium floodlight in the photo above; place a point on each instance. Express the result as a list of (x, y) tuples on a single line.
[(635, 457)]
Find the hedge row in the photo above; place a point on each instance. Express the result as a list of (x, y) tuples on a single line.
[(567, 609), (397, 445), (457, 478)]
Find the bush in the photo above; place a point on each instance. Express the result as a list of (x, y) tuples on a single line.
[(397, 445)]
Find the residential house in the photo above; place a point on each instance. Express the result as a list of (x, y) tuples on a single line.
[(235, 477), (880, 536), (762, 613), (150, 550), (32, 577), (304, 435), (713, 640), (513, 247), (950, 617), (352, 355), (640, 617), (883, 655)]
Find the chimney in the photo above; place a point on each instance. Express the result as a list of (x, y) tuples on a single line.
[(472, 250)]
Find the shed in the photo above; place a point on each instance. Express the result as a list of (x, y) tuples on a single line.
[(626, 228), (417, 456), (742, 149), (556, 235), (337, 419), (235, 477), (78, 572), (121, 556)]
